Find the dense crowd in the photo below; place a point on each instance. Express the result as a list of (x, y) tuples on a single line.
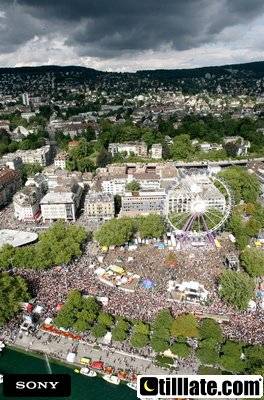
[(52, 286)]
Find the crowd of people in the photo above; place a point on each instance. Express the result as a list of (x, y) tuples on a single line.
[(51, 287)]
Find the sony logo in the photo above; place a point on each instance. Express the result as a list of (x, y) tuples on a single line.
[(32, 385)]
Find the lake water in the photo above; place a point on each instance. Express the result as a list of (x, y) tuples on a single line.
[(83, 388)]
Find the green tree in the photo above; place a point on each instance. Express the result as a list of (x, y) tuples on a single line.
[(139, 340), (158, 344), (99, 330), (118, 334), (210, 329), (78, 312), (122, 323), (230, 358), (164, 361), (181, 349), (253, 261), (7, 254), (141, 328), (207, 356), (115, 232), (182, 147), (13, 291), (103, 158), (163, 319), (185, 325), (133, 186), (244, 185), (236, 288), (151, 226), (254, 357), (231, 149), (105, 318)]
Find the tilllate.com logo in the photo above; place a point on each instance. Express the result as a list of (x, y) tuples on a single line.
[(149, 386), (199, 386)]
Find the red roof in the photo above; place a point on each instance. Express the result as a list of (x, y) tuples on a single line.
[(97, 364)]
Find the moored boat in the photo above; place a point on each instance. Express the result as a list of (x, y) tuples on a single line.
[(86, 371), (132, 385), (111, 379)]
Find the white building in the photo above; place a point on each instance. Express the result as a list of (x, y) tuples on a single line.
[(242, 145), (5, 125), (115, 185), (61, 203), (26, 203), (25, 99), (194, 191), (28, 115), (156, 151), (136, 148), (143, 203), (20, 133), (39, 180), (12, 161), (60, 160), (40, 156)]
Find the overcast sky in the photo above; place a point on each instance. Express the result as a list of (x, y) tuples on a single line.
[(128, 35)]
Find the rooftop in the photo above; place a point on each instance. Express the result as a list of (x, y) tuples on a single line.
[(16, 238), (57, 197)]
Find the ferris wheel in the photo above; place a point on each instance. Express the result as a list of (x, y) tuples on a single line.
[(200, 222)]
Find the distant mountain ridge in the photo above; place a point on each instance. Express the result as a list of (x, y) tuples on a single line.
[(233, 79), (255, 69)]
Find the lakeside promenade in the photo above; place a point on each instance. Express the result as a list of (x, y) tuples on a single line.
[(57, 347)]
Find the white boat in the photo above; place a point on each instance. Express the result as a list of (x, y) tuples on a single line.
[(111, 379), (1, 378), (87, 372), (132, 385)]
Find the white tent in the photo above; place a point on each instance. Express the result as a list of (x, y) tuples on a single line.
[(70, 357)]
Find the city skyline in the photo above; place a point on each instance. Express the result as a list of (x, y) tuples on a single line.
[(130, 36)]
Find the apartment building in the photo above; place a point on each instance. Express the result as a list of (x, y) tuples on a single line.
[(242, 145), (5, 125), (99, 206), (143, 203), (61, 159), (12, 161), (40, 156), (62, 202), (27, 203), (136, 148), (10, 182), (114, 185), (156, 151)]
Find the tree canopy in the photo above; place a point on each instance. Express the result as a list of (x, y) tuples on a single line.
[(13, 291), (133, 186), (56, 246), (244, 185), (210, 329), (236, 288), (185, 325), (151, 226), (252, 260), (78, 312), (119, 231), (115, 232)]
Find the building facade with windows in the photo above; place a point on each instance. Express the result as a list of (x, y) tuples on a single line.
[(99, 206), (143, 203)]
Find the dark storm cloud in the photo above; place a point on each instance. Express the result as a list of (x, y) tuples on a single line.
[(106, 28)]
